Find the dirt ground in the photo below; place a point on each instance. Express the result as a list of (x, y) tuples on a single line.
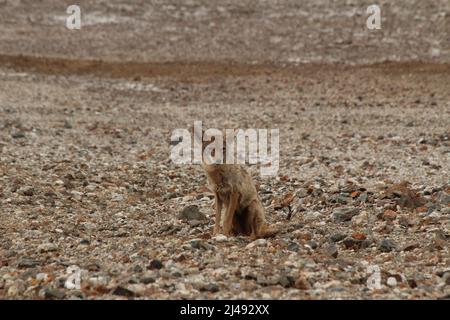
[(86, 180)]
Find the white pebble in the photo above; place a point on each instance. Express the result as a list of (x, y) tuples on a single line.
[(391, 281)]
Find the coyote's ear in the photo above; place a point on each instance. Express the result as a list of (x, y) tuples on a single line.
[(230, 133), (198, 135)]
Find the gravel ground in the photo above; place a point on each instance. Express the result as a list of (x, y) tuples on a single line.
[(86, 181)]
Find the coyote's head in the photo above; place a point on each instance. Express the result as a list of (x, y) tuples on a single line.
[(213, 143)]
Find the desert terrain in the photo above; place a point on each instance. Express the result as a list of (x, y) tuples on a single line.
[(86, 180)]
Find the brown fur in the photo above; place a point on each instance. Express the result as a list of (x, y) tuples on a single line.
[(234, 189)]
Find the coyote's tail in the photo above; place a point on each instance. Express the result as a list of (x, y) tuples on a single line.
[(268, 231)]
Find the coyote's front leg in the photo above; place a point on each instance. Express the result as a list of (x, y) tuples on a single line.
[(218, 207), (229, 213)]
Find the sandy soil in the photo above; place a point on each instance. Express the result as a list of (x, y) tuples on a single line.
[(86, 180)]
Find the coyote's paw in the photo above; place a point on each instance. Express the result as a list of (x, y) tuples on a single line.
[(216, 231)]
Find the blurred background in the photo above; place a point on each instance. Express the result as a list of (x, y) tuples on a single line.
[(288, 31)]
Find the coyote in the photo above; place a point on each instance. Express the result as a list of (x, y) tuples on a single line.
[(233, 187)]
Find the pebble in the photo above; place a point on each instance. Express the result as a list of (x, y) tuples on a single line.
[(345, 214), (337, 237), (18, 135), (257, 243), (42, 276), (210, 287), (117, 197), (360, 219), (293, 246), (54, 294), (147, 280), (352, 243), (332, 250), (16, 288), (122, 291), (155, 264), (98, 281), (27, 191), (28, 263), (386, 245), (85, 241), (391, 282), (389, 215), (47, 247), (191, 213), (286, 281), (443, 198), (312, 244), (220, 238), (313, 215), (446, 278), (302, 284), (200, 244)]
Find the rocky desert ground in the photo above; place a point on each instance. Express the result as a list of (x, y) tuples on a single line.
[(88, 191)]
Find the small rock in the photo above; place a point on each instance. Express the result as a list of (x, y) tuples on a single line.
[(293, 246), (332, 250), (27, 263), (41, 277), (137, 269), (117, 197), (301, 193), (410, 247), (391, 282), (26, 191), (446, 278), (122, 291), (362, 198), (286, 281), (267, 281), (257, 243), (93, 267), (85, 241), (345, 214), (386, 245), (67, 124), (138, 289), (210, 287), (54, 294), (191, 213), (359, 219), (200, 244), (16, 289), (195, 223), (405, 221), (312, 244), (352, 243), (220, 238), (443, 198), (147, 280), (312, 215), (359, 236), (47, 247), (404, 196), (302, 284), (98, 281), (155, 264), (75, 295), (338, 237), (389, 215), (18, 135)]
